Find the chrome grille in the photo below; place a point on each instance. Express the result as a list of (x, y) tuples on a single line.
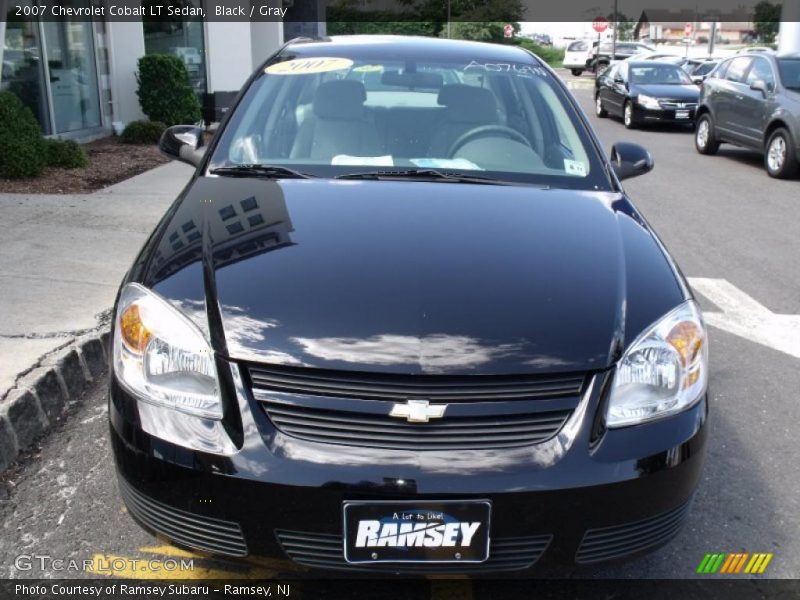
[(326, 551), (382, 431), (677, 105)]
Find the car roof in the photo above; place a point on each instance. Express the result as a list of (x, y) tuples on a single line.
[(400, 47), (650, 63)]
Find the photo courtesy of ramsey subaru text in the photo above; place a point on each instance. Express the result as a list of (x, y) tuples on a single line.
[(405, 319)]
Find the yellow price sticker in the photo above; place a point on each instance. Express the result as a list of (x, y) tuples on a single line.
[(368, 68), (306, 66)]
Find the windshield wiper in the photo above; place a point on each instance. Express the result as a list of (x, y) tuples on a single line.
[(424, 174), (275, 171)]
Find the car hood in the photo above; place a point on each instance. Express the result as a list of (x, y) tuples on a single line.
[(686, 93), (410, 277)]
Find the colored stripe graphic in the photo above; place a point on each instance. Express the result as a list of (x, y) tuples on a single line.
[(721, 562)]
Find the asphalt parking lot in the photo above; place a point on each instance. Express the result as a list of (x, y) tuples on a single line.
[(734, 232)]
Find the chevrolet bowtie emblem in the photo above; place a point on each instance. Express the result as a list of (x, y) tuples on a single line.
[(418, 411)]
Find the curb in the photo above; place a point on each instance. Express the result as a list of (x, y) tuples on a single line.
[(42, 396)]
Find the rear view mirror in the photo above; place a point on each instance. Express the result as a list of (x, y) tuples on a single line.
[(184, 143), (413, 79), (630, 160)]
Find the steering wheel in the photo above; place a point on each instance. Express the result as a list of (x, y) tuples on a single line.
[(487, 130)]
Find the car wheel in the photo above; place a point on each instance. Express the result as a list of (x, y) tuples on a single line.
[(577, 72), (780, 157), (598, 108), (704, 138), (628, 116)]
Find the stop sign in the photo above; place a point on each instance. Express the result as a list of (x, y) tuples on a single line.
[(687, 30), (508, 30), (600, 24)]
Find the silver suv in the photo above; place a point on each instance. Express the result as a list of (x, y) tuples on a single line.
[(753, 100)]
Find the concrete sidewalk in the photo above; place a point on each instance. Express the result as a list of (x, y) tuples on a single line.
[(62, 258)]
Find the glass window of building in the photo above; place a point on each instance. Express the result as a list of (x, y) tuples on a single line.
[(50, 65), (23, 69), (73, 74), (183, 38)]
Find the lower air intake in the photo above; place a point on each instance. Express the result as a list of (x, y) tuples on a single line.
[(324, 551), (189, 529), (608, 543)]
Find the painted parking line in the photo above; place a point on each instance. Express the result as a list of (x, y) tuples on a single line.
[(170, 562), (745, 317)]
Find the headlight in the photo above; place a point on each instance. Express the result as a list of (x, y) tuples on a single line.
[(648, 102), (162, 357), (663, 372)]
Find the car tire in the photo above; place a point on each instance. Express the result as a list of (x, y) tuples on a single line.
[(780, 155), (705, 140), (577, 72), (598, 108), (629, 115)]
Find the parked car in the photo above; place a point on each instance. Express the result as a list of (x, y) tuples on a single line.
[(542, 39), (603, 56), (577, 56), (700, 72), (753, 100), (646, 91), (407, 330), (754, 49)]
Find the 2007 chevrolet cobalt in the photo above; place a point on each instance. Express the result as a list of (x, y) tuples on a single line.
[(404, 319)]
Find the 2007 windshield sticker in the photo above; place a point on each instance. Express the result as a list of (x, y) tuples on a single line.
[(517, 68), (307, 66)]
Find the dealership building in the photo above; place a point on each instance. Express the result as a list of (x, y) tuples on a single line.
[(78, 76)]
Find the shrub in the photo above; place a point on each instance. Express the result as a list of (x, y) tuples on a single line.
[(65, 154), (143, 132), (21, 143), (164, 91), (552, 56)]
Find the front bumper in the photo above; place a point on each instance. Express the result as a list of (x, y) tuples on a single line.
[(581, 497), (663, 115)]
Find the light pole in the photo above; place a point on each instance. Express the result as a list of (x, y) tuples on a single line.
[(448, 19), (613, 39)]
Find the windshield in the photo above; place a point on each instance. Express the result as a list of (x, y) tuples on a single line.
[(704, 68), (331, 116), (789, 69), (659, 74)]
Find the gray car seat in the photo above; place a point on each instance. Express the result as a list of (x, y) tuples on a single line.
[(468, 107), (339, 124)]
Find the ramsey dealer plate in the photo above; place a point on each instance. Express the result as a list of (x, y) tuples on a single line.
[(410, 531)]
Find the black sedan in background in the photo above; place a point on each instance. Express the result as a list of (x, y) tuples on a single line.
[(646, 91), (404, 318)]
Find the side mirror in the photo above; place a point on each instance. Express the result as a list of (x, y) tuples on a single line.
[(630, 160), (184, 143), (760, 85)]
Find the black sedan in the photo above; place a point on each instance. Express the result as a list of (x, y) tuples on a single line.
[(405, 319), (646, 91)]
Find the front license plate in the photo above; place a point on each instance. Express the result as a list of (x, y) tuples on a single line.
[(681, 114), (421, 532)]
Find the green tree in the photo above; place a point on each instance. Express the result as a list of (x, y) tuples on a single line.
[(623, 26), (479, 31), (766, 20)]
